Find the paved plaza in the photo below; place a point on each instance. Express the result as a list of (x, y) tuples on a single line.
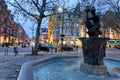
[(10, 65)]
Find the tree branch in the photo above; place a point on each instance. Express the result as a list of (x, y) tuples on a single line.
[(36, 5), (21, 8)]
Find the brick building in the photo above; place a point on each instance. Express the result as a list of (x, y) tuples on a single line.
[(8, 28)]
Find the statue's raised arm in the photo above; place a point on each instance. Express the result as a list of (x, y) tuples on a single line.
[(92, 22)]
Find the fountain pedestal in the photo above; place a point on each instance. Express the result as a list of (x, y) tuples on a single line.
[(94, 53)]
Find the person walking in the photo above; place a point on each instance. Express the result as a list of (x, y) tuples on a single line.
[(6, 49), (55, 49), (15, 50)]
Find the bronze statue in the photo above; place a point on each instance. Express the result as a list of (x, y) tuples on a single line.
[(92, 22)]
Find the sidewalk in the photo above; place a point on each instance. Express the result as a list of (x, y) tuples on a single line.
[(10, 65), (113, 54)]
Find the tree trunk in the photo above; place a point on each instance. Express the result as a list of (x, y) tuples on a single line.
[(35, 48), (39, 21)]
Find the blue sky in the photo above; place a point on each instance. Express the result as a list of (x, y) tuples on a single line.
[(27, 25)]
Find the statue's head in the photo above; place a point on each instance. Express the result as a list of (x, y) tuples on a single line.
[(88, 10), (93, 10)]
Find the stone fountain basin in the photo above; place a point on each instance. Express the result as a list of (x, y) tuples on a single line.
[(26, 72)]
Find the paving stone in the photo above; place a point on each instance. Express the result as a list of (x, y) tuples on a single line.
[(9, 64)]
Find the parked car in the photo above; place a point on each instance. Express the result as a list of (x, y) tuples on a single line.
[(42, 47), (67, 48), (24, 45), (51, 46), (6, 44), (117, 46), (111, 43)]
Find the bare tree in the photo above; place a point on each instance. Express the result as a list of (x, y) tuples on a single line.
[(111, 20), (112, 16), (36, 10)]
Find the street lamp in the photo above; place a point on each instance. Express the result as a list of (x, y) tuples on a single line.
[(60, 9)]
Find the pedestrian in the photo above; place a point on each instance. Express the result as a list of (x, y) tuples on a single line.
[(77, 48), (6, 49), (56, 49), (15, 50)]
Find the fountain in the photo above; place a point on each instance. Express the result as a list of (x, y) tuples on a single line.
[(68, 69), (92, 67), (94, 46)]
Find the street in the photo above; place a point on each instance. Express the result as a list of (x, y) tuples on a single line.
[(27, 50), (20, 50), (9, 64), (113, 53)]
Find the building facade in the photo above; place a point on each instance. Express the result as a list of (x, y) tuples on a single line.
[(66, 25), (73, 29), (8, 28)]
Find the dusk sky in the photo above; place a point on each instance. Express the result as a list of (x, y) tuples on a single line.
[(27, 25)]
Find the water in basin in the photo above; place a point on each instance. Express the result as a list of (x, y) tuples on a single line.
[(68, 69)]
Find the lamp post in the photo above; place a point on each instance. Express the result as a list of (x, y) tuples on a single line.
[(62, 35), (0, 36)]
